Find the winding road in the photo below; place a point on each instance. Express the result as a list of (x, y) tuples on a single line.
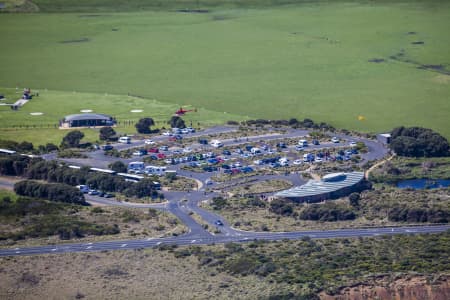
[(183, 204)]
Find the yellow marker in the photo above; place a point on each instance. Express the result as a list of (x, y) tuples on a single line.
[(361, 118)]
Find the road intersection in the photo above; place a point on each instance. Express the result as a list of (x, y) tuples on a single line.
[(183, 204)]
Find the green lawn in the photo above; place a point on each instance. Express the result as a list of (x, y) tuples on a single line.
[(308, 60), (54, 105)]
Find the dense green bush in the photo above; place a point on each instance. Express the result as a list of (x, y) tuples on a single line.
[(418, 214), (52, 191), (52, 171), (281, 207), (418, 142), (328, 212)]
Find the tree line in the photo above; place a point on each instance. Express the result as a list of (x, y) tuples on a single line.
[(54, 172)]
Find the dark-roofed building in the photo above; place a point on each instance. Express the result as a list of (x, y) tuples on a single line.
[(87, 120), (331, 186)]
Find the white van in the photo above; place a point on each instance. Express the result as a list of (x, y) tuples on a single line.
[(125, 140), (136, 166), (303, 143), (216, 143)]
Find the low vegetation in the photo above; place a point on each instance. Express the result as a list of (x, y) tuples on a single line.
[(308, 266), (402, 168), (28, 221), (381, 206)]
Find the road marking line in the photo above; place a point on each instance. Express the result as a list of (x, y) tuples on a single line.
[(54, 249), (123, 245), (17, 252), (193, 241), (88, 247)]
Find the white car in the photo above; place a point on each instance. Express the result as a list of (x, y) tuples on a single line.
[(335, 140), (237, 165), (187, 150), (318, 159), (149, 142), (284, 163), (167, 133), (353, 144), (297, 162)]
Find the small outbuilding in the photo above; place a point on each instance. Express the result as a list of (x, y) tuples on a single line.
[(384, 138), (87, 120)]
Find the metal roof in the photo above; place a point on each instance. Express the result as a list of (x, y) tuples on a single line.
[(314, 187), (87, 117)]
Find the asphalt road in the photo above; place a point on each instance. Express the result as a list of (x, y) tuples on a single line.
[(190, 239), (183, 204)]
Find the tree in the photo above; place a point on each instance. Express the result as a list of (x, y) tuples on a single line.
[(354, 199), (143, 125), (106, 133), (72, 139), (118, 167), (177, 122), (418, 142)]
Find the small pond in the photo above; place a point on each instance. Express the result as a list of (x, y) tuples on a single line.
[(420, 184)]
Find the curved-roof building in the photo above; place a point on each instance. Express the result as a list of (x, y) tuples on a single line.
[(331, 186), (87, 120)]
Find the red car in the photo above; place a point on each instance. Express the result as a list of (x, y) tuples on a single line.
[(153, 150), (161, 155)]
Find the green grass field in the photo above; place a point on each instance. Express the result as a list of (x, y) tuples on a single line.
[(309, 60), (21, 125)]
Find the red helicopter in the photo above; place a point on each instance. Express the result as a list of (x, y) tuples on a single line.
[(182, 111)]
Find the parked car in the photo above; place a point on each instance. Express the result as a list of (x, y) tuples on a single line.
[(164, 148), (203, 141), (93, 192), (299, 148), (209, 168), (335, 139), (297, 162), (107, 147), (149, 142), (153, 150), (167, 133), (139, 152), (218, 223), (247, 169), (226, 152), (315, 142)]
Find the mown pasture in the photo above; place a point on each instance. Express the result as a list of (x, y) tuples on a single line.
[(332, 62)]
